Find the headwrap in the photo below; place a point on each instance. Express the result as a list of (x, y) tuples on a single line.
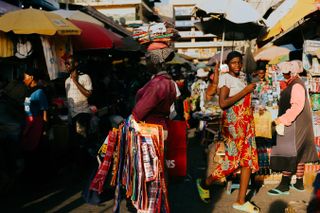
[(202, 73), (294, 67), (159, 56)]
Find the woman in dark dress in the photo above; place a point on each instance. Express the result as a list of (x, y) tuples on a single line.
[(295, 139)]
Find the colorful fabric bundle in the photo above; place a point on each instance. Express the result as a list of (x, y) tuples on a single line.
[(147, 189), (99, 179), (138, 166), (155, 32)]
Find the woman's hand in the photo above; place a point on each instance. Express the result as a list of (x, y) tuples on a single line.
[(74, 76), (249, 88), (277, 121)]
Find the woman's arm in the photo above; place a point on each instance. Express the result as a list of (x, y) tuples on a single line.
[(225, 101), (75, 78), (298, 97), (213, 86)]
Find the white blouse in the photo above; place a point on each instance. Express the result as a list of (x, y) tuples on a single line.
[(233, 83)]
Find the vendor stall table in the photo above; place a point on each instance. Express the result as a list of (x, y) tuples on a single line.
[(212, 126)]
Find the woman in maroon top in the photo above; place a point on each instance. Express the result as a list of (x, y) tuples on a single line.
[(154, 99)]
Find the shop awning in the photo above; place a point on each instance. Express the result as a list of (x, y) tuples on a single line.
[(298, 11), (95, 37), (106, 20), (77, 15)]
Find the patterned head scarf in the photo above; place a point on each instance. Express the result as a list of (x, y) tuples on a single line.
[(294, 67), (159, 56)]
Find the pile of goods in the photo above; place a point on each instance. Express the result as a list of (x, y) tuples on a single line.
[(155, 32)]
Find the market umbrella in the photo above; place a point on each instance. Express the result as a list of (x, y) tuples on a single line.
[(29, 21), (179, 59), (95, 37), (236, 11), (230, 31), (288, 14), (272, 52), (77, 15), (222, 18), (217, 57)]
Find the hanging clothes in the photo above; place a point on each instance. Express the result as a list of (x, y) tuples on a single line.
[(138, 166), (6, 46), (50, 56)]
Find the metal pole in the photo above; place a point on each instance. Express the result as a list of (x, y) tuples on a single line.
[(222, 46)]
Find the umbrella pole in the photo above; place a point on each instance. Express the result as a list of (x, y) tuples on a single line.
[(222, 46)]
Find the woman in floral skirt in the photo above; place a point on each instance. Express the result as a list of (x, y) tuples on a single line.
[(238, 133)]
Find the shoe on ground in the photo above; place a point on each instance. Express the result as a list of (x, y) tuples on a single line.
[(246, 207), (203, 193), (276, 192), (297, 187)]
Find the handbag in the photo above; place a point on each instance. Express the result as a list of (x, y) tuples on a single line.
[(216, 152)]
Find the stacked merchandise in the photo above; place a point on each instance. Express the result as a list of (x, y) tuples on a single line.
[(155, 32), (138, 166), (265, 102), (311, 57)]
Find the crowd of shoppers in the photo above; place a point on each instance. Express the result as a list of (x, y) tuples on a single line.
[(155, 101)]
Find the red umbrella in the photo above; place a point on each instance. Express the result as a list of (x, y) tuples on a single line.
[(95, 37)]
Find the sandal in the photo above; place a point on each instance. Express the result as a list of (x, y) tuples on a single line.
[(277, 192), (203, 193), (299, 189), (246, 207)]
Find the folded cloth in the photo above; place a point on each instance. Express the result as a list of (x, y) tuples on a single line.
[(156, 45)]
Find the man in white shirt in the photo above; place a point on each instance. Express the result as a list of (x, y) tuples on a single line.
[(78, 89)]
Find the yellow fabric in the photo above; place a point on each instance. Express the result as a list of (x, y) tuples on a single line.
[(30, 21), (300, 10), (263, 124), (6, 46)]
